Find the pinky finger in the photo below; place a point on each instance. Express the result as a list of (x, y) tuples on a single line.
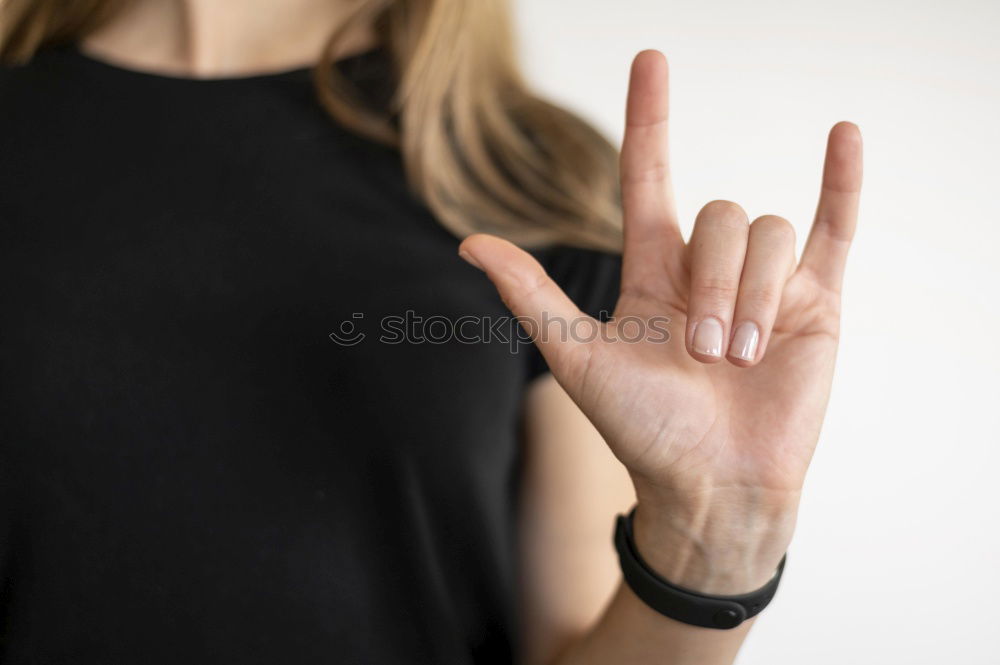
[(825, 253)]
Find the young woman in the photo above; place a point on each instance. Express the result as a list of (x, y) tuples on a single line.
[(212, 214)]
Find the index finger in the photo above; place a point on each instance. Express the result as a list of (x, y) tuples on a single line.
[(825, 254), (647, 195)]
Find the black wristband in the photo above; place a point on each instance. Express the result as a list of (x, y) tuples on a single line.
[(685, 605)]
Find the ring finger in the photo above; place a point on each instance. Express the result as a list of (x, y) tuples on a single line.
[(770, 260)]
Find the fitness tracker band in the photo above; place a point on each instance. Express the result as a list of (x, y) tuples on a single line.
[(685, 605)]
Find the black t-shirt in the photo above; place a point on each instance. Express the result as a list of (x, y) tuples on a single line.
[(192, 469)]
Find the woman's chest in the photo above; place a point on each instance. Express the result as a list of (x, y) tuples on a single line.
[(246, 297)]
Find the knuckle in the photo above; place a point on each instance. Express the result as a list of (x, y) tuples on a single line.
[(774, 226), (715, 289), (657, 171), (535, 283), (725, 213), (520, 289), (760, 296)]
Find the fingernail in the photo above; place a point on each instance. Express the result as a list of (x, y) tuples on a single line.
[(745, 341), (470, 259), (708, 337)]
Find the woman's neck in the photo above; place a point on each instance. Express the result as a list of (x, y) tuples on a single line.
[(217, 38)]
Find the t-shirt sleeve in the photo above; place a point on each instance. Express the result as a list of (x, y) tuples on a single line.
[(591, 279)]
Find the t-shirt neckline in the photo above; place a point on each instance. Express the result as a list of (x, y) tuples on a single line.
[(97, 63)]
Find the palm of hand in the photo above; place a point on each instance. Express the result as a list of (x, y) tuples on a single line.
[(670, 418)]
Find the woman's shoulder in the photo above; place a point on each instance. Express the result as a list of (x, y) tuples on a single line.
[(591, 277), (34, 84), (40, 111)]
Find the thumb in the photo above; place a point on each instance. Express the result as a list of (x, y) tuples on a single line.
[(543, 309)]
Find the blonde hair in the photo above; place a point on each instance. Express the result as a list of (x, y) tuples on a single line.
[(481, 149)]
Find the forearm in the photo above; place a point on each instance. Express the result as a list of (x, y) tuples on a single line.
[(629, 633), (718, 546)]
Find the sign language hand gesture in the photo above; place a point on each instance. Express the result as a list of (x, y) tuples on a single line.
[(717, 425)]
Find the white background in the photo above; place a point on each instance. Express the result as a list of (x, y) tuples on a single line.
[(897, 552)]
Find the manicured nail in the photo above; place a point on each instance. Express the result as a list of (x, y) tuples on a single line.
[(708, 337), (470, 259), (745, 341)]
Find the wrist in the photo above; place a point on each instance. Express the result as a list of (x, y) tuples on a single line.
[(719, 541)]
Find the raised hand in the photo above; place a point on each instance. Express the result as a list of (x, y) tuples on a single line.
[(717, 425)]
